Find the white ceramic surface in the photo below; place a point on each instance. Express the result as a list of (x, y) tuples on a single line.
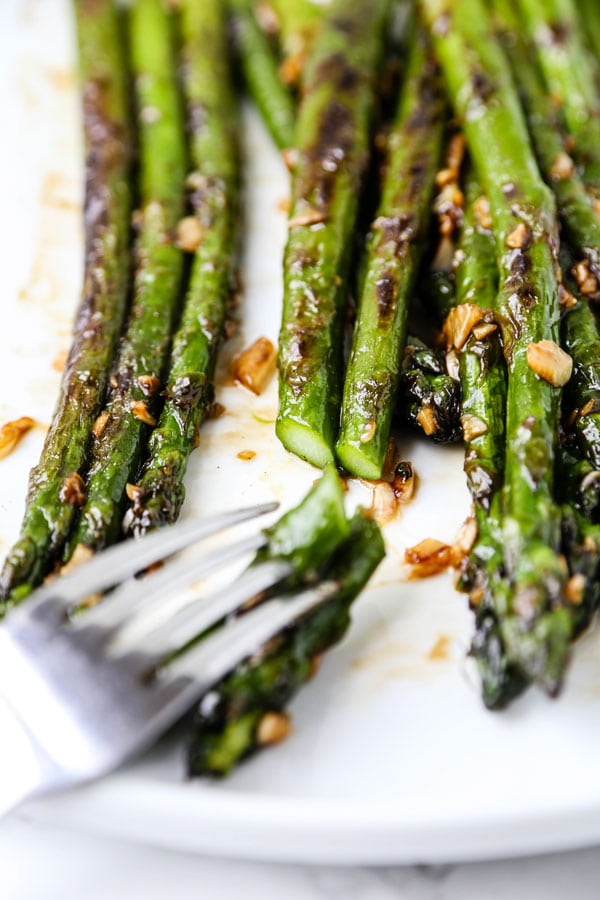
[(392, 757)]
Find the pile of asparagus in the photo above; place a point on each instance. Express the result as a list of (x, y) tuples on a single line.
[(480, 192), (445, 172), (162, 204)]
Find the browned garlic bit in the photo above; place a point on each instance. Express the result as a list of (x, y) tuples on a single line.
[(272, 728), (141, 412), (12, 432), (550, 362), (255, 367), (290, 70), (428, 557), (481, 210), (387, 496), (484, 330), (566, 298), (563, 167), (73, 490), (134, 492), (465, 541), (453, 365), (574, 589), (246, 455), (585, 278), (308, 217), (472, 427), (215, 410), (519, 237), (384, 503), (459, 323), (149, 384), (100, 424), (427, 420), (190, 234)]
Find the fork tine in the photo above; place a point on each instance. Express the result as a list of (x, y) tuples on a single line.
[(221, 652), (159, 594), (163, 632), (117, 563)]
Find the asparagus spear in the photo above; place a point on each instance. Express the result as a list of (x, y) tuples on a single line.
[(571, 74), (483, 381), (332, 147), (574, 204), (590, 16), (159, 493), (581, 337), (227, 726), (54, 482), (535, 622), (132, 406), (261, 74), (392, 257)]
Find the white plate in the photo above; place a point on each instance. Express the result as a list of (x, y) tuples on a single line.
[(392, 757)]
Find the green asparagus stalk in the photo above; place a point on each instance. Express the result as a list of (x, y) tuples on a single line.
[(55, 481), (132, 406), (227, 726), (574, 204), (160, 491), (535, 622), (332, 147), (571, 73), (261, 74), (581, 408), (483, 381), (590, 17), (392, 258)]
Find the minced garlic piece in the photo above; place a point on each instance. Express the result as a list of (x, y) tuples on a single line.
[(12, 432), (550, 362)]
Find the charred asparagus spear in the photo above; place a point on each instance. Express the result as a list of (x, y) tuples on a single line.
[(392, 258), (574, 204), (214, 183), (535, 621), (590, 16), (55, 483), (261, 74), (571, 74), (483, 381), (332, 147), (132, 406), (233, 718), (581, 337)]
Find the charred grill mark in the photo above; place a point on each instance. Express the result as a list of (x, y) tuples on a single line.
[(185, 390), (386, 295), (520, 265), (335, 140), (482, 86), (560, 33), (103, 141)]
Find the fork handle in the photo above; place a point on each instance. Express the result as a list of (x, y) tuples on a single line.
[(21, 775)]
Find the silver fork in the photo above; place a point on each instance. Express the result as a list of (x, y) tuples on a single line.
[(84, 693)]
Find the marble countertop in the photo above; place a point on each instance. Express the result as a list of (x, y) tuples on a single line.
[(41, 862)]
